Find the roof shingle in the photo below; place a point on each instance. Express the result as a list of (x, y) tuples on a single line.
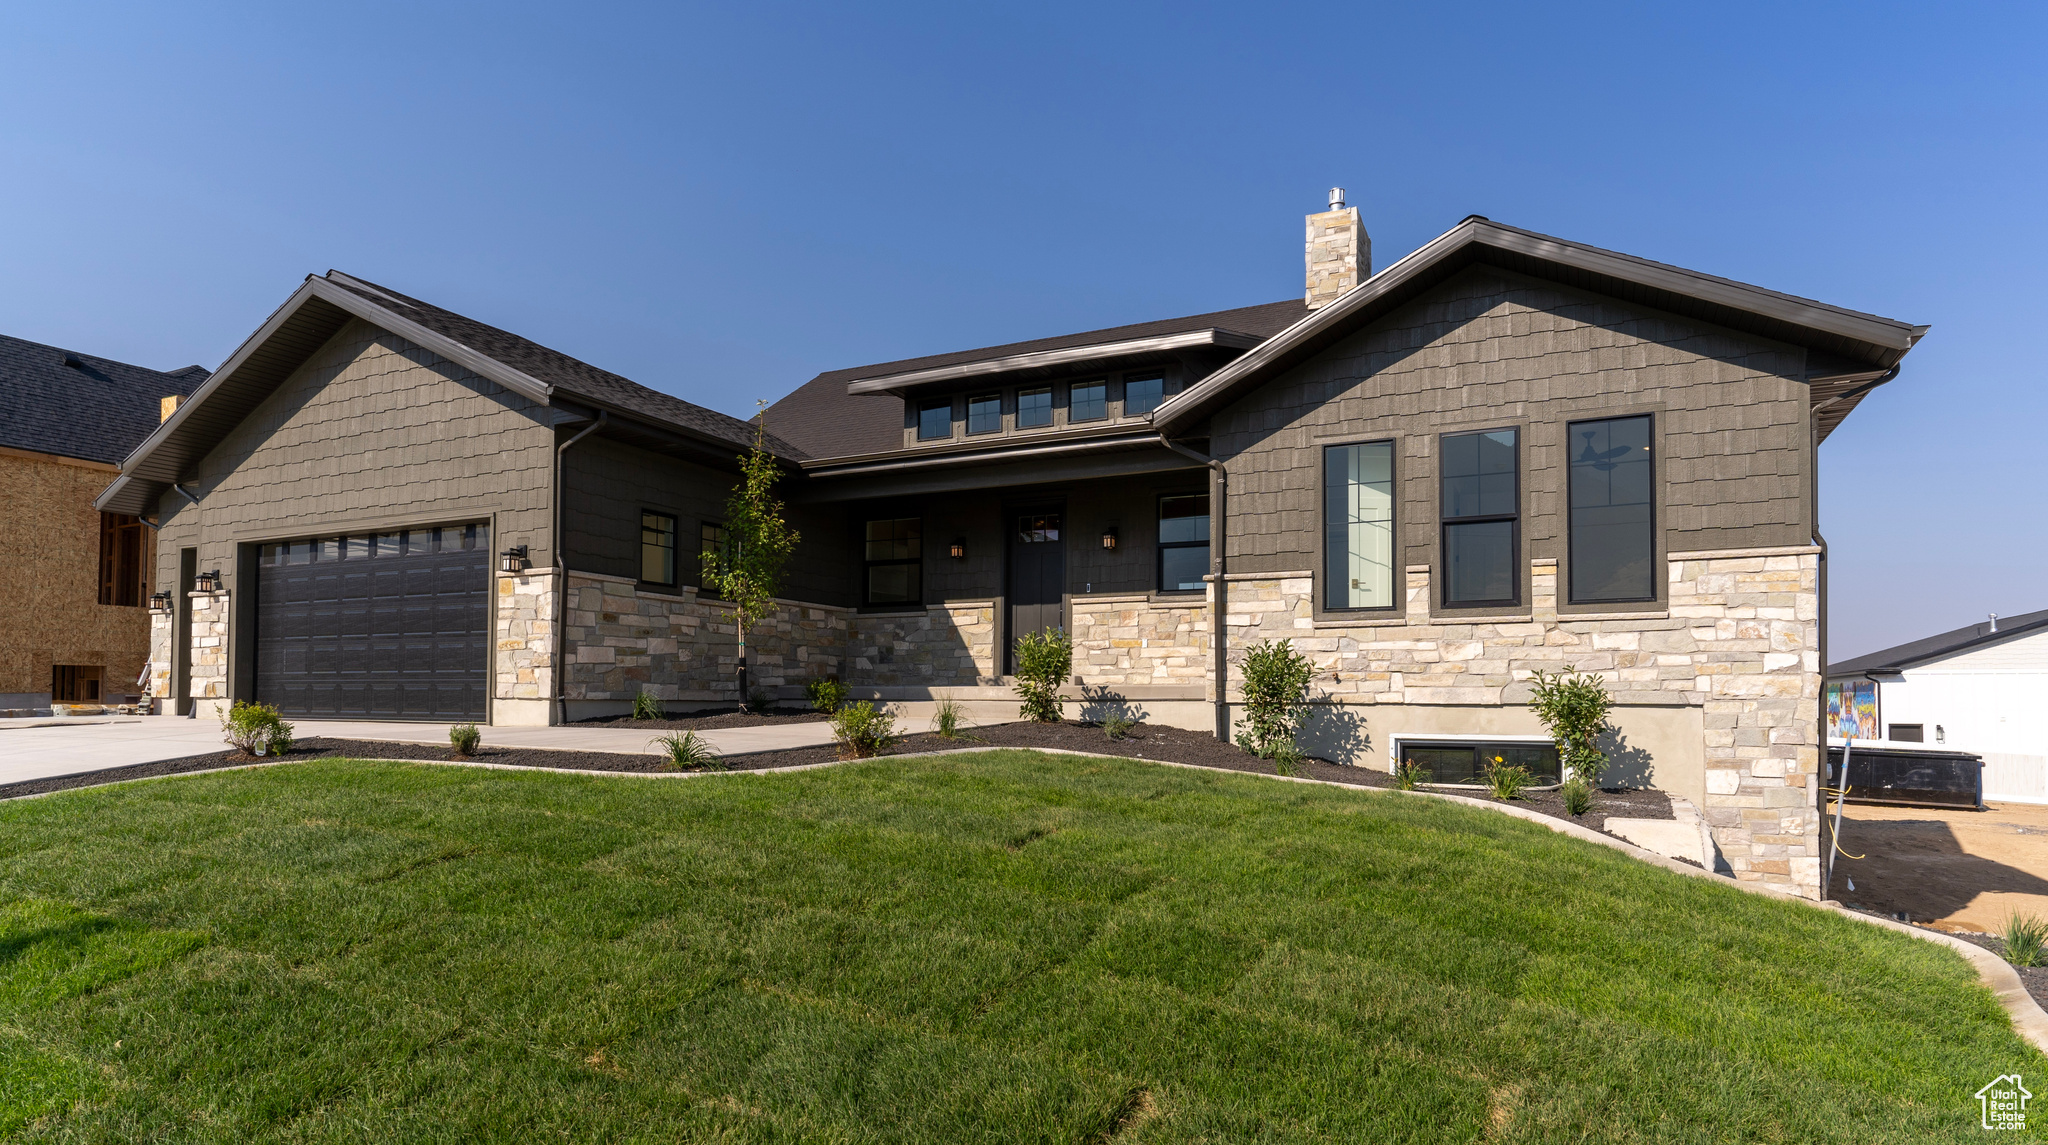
[(97, 410)]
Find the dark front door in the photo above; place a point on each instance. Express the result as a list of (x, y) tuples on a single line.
[(392, 626), (1038, 576)]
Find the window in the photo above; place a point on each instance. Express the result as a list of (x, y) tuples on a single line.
[(1358, 525), (1088, 401), (1909, 733), (711, 538), (1465, 762), (895, 556), (75, 683), (985, 414), (1183, 542), (1613, 549), (1141, 395), (657, 548), (124, 579), (1481, 518), (935, 420), (1034, 407)]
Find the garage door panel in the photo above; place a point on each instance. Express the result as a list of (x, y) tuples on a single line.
[(391, 627)]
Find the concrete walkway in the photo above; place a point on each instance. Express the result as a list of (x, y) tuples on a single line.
[(46, 749)]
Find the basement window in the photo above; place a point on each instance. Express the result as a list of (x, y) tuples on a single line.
[(1460, 762)]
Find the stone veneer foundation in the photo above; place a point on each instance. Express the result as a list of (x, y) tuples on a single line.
[(209, 649)]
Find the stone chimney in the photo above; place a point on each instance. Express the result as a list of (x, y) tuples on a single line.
[(165, 407), (1339, 252)]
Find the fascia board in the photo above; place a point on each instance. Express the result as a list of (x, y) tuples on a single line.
[(472, 360), (889, 383), (1088, 445)]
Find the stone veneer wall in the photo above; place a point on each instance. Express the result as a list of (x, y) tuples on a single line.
[(523, 664), (162, 632), (946, 645), (1738, 640), (209, 646), (1135, 641)]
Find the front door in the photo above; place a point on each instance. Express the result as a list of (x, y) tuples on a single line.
[(1038, 577)]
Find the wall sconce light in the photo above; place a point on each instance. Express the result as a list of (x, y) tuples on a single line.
[(512, 560), (1109, 538), (959, 549), (159, 602), (207, 581)]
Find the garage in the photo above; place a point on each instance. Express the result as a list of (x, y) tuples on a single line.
[(389, 626)]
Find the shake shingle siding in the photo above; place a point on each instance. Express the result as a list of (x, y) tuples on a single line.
[(1492, 349), (370, 431)]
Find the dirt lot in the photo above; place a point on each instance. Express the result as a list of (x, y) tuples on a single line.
[(1950, 870)]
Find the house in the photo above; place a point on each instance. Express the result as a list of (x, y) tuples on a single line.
[(1502, 453), (79, 630), (1977, 689)]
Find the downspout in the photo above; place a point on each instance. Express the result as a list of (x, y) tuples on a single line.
[(183, 493), (561, 673), (1219, 565), (1821, 605)]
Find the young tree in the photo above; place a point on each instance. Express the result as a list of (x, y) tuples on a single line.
[(746, 571)]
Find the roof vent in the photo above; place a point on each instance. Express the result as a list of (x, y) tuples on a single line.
[(1336, 198), (73, 361), (1994, 622)]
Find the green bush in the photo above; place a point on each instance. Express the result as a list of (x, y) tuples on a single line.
[(1044, 661), (1574, 710), (825, 695), (1505, 780), (686, 750), (1276, 680), (257, 729), (647, 706), (1117, 726), (1409, 775), (1578, 796), (2026, 939), (863, 730), (464, 738)]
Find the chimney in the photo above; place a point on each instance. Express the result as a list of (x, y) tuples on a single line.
[(1339, 253), (165, 407)]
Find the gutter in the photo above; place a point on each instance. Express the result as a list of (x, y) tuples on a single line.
[(562, 571), (1219, 565)]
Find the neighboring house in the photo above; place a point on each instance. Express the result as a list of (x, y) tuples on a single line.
[(78, 631), (1978, 689), (1503, 453)]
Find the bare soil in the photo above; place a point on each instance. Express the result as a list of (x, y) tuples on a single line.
[(1954, 870), (700, 721), (2035, 977)]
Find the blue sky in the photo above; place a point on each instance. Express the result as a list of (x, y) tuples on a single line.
[(720, 202)]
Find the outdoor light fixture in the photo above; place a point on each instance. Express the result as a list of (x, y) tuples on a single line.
[(208, 581), (1109, 538), (959, 549), (159, 602), (512, 560)]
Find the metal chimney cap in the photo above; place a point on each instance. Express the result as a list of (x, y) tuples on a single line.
[(1336, 198)]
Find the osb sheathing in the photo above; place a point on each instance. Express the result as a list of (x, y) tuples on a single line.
[(51, 535)]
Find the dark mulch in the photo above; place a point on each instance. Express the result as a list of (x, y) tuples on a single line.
[(2035, 978), (699, 721)]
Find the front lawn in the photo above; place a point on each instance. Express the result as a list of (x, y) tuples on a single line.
[(994, 947)]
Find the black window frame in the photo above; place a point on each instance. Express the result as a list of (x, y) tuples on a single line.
[(1571, 552), (1446, 522), (1127, 410), (927, 406), (997, 398), (1049, 408), (1161, 545), (711, 535), (674, 535), (1092, 383), (1397, 597), (868, 565), (1476, 746)]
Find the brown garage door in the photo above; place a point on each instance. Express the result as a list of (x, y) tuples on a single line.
[(391, 626)]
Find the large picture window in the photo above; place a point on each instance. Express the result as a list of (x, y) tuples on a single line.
[(1183, 542), (1358, 525), (1482, 499), (657, 548), (1613, 545), (895, 561)]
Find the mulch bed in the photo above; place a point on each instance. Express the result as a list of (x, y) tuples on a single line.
[(2035, 978), (700, 721)]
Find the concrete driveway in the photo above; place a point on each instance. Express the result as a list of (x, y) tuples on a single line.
[(39, 749)]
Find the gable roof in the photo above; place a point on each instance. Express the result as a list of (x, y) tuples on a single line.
[(78, 405), (323, 304), (1849, 348), (1946, 644), (824, 419)]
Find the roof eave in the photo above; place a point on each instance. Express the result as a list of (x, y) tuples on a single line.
[(1041, 359)]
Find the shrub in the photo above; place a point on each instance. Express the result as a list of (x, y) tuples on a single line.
[(947, 720), (1578, 796), (647, 706), (1286, 757), (1409, 775), (863, 730), (1276, 679), (464, 738), (1044, 661), (1574, 710), (686, 750), (2026, 939), (825, 695), (256, 729), (758, 701), (1117, 726), (1506, 781)]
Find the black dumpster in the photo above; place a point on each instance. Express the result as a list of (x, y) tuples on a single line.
[(1910, 776)]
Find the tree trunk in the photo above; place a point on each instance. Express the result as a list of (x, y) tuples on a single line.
[(745, 705)]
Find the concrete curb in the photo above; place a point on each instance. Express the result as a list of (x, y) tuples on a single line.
[(2028, 1019)]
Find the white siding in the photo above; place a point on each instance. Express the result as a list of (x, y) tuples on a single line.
[(1991, 700)]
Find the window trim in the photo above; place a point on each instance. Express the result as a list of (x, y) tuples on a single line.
[(1159, 547), (1396, 740), (675, 526), (997, 398), (697, 581), (1052, 409), (924, 405), (867, 566), (1571, 594), (1516, 565), (1398, 597), (1085, 382), (1123, 407)]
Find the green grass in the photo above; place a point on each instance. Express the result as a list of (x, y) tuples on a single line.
[(993, 947)]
